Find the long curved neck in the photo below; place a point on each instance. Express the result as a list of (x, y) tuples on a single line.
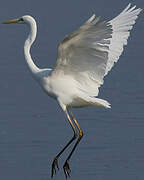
[(29, 41)]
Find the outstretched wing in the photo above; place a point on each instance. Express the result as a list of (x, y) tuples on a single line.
[(90, 52)]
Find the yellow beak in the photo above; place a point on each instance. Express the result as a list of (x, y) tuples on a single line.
[(11, 21)]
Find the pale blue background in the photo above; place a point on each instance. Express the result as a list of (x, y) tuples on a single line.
[(32, 126)]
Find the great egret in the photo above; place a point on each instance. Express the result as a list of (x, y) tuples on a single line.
[(84, 58)]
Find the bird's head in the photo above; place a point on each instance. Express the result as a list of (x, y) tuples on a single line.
[(30, 21), (22, 20)]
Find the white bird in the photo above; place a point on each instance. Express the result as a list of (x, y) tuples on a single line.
[(84, 58)]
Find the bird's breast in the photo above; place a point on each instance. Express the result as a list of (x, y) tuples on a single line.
[(60, 87)]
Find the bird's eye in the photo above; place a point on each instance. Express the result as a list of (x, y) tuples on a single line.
[(21, 19)]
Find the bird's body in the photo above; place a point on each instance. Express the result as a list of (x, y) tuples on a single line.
[(84, 58), (61, 83), (65, 89)]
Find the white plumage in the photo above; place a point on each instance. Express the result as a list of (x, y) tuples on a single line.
[(84, 58), (90, 52), (121, 26)]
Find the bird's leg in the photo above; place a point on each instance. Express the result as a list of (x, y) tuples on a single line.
[(55, 161), (66, 164)]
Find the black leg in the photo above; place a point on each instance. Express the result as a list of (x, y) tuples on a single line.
[(66, 167), (55, 161)]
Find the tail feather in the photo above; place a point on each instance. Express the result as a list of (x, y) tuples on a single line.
[(100, 102), (93, 101)]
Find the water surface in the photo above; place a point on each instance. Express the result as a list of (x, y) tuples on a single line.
[(32, 126)]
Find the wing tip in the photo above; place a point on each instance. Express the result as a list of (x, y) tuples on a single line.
[(91, 18), (131, 8)]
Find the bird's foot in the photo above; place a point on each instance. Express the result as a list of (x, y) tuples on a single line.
[(67, 169), (54, 166)]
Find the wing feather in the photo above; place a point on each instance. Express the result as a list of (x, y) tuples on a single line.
[(89, 53), (121, 26)]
